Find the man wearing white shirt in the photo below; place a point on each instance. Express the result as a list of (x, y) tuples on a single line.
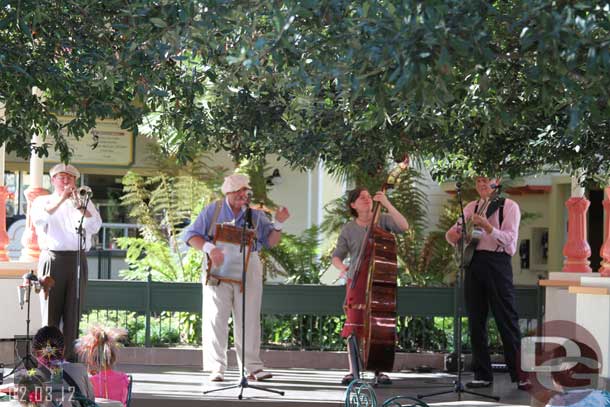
[(57, 218)]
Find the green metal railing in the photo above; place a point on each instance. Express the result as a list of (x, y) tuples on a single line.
[(150, 298)]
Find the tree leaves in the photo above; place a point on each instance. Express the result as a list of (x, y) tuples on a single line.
[(466, 84)]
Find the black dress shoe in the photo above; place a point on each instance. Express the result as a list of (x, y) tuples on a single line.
[(478, 384), (524, 385)]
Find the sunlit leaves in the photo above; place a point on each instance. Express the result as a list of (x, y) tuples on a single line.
[(468, 83)]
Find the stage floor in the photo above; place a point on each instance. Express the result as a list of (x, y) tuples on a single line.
[(183, 386)]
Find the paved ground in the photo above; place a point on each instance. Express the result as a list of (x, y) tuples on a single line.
[(184, 386)]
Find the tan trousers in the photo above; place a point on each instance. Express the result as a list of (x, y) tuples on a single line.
[(218, 303)]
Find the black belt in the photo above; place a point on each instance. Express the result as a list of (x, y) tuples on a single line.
[(66, 252), (490, 253)]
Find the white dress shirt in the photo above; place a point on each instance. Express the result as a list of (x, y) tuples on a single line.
[(58, 231)]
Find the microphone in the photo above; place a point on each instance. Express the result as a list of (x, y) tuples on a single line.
[(249, 217), (29, 277), (21, 295)]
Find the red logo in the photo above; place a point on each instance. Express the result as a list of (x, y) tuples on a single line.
[(564, 357)]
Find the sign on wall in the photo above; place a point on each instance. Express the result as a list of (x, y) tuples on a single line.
[(113, 147)]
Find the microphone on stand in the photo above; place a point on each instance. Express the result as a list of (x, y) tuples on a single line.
[(497, 188), (249, 217), (29, 279), (248, 209), (21, 295)]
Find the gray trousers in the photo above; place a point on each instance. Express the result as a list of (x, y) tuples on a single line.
[(61, 309)]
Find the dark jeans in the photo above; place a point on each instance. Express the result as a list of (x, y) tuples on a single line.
[(489, 284)]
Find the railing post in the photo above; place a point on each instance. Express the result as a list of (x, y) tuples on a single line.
[(147, 341), (539, 305), (99, 265), (576, 249)]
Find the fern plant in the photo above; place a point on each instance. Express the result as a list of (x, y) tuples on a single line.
[(423, 260), (162, 205), (299, 258)]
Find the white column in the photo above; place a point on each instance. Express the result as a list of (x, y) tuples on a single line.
[(36, 164), (29, 240), (320, 193), (577, 190), (309, 197)]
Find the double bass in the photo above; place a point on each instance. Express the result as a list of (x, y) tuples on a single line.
[(377, 263)]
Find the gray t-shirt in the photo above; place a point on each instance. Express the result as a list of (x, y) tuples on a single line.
[(352, 235)]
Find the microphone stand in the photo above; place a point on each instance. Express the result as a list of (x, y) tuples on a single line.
[(458, 386), (243, 249), (81, 246)]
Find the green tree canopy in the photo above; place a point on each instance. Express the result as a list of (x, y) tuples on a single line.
[(472, 86)]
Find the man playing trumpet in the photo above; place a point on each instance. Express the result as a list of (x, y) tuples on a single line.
[(57, 218)]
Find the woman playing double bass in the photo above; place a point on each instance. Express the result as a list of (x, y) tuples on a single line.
[(349, 243)]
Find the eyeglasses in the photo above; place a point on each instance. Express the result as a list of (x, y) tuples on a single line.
[(64, 177)]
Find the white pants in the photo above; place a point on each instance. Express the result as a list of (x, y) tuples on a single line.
[(218, 302)]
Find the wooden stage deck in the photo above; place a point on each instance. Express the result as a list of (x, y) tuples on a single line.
[(183, 387)]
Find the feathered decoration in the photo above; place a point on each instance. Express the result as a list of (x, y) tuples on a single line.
[(99, 346), (48, 352)]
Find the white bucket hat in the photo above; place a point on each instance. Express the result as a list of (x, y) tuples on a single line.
[(67, 168), (235, 182)]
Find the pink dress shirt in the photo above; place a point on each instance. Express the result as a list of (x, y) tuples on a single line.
[(501, 239)]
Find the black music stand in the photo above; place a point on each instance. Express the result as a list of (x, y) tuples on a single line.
[(458, 386), (27, 360), (243, 381)]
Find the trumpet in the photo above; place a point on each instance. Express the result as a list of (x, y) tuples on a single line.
[(81, 196)]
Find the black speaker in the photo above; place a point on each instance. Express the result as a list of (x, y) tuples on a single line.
[(451, 362)]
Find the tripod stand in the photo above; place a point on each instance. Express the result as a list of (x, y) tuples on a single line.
[(27, 361), (243, 381), (458, 386)]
